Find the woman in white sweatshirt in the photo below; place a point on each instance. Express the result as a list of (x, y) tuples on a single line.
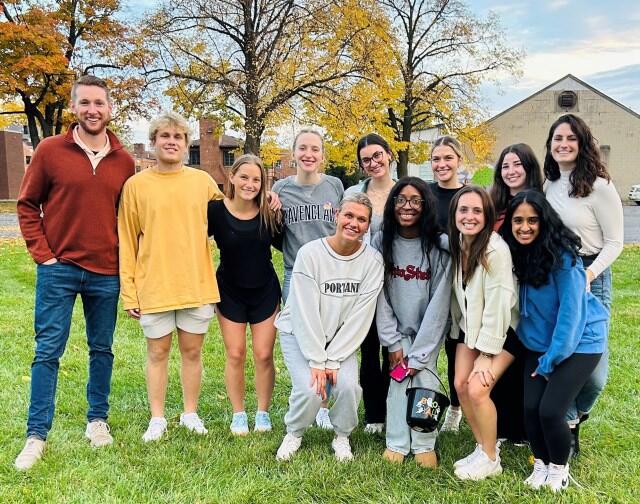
[(334, 286)]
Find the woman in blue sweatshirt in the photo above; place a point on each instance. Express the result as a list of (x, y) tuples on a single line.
[(562, 326)]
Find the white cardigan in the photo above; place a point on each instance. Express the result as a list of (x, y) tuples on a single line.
[(489, 304)]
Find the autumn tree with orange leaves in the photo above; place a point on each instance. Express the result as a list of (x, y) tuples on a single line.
[(250, 61), (45, 46)]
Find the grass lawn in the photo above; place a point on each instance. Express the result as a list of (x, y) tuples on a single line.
[(7, 206), (221, 468)]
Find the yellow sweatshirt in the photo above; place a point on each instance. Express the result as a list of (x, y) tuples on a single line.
[(165, 259)]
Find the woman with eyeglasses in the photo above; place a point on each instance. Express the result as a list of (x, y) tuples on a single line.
[(483, 312), (413, 308), (446, 161), (375, 158)]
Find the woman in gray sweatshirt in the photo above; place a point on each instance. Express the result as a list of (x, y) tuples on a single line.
[(413, 307)]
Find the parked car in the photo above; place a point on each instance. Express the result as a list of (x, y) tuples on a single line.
[(634, 193)]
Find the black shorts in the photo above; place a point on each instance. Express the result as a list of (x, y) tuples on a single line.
[(248, 305), (512, 343)]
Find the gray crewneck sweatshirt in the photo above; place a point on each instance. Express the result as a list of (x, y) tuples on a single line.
[(414, 302), (308, 212)]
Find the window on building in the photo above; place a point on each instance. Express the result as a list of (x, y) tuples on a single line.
[(277, 165), (292, 163), (228, 158), (194, 156), (605, 152)]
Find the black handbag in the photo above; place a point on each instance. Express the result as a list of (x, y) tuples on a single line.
[(426, 407)]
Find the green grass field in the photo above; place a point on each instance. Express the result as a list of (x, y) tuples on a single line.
[(7, 206), (221, 468)]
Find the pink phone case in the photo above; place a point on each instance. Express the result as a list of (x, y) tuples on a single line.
[(400, 372)]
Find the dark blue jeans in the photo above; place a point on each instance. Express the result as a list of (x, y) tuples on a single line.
[(56, 289)]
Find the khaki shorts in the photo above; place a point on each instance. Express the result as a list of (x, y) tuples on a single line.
[(192, 320)]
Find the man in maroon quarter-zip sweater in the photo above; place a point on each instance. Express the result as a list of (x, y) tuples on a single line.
[(67, 212)]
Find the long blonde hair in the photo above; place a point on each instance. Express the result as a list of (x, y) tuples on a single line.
[(268, 219)]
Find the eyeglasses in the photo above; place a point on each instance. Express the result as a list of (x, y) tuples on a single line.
[(365, 162), (414, 203)]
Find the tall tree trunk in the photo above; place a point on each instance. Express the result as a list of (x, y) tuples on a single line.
[(407, 119)]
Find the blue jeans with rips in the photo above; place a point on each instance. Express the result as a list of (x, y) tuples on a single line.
[(57, 287), (600, 288)]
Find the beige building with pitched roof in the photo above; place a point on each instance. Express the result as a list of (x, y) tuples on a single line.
[(615, 127)]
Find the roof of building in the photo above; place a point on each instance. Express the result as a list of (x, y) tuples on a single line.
[(579, 81), (226, 142)]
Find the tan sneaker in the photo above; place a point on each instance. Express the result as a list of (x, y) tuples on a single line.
[(30, 454), (427, 459), (98, 432), (393, 456)]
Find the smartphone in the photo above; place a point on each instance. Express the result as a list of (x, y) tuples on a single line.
[(400, 371)]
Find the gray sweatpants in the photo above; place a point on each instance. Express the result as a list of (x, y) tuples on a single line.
[(400, 437), (304, 402)]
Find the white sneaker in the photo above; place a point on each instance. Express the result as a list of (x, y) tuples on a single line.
[(99, 433), (452, 419), (289, 446), (481, 467), (193, 422), (157, 428), (374, 428), (322, 419), (30, 454), (538, 476), (469, 458), (342, 448), (557, 477)]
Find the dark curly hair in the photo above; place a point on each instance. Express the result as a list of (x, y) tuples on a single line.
[(500, 192), (427, 223), (589, 166), (533, 263)]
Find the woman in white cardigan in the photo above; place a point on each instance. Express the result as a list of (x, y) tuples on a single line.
[(483, 310)]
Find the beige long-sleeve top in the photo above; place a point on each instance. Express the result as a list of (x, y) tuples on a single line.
[(488, 305)]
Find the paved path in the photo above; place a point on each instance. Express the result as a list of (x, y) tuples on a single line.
[(632, 224), (9, 225)]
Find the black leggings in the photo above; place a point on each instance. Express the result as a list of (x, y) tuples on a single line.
[(450, 346), (546, 403), (374, 378)]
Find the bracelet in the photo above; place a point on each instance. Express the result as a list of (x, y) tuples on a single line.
[(488, 355)]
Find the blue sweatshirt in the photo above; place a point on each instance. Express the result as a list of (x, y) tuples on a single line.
[(561, 318)]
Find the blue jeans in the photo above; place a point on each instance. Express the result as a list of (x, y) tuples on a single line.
[(56, 289), (600, 288)]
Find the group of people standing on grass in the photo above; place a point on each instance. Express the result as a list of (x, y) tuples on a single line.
[(509, 281)]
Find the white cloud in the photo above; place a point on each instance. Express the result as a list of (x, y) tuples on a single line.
[(554, 5), (583, 57)]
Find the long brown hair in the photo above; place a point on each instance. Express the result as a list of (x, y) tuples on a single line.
[(268, 219), (589, 166), (478, 250), (500, 192)]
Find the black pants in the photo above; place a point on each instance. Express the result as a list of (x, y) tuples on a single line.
[(546, 403), (374, 379), (450, 346)]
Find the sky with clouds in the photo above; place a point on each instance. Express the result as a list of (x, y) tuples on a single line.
[(597, 41)]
